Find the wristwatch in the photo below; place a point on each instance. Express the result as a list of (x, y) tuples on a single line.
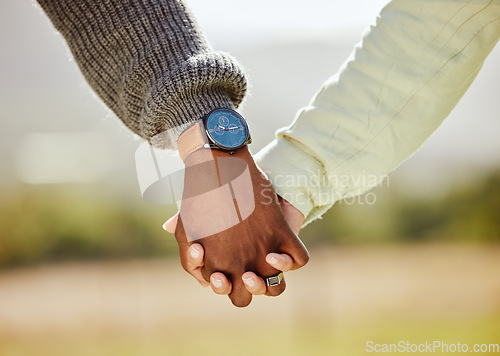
[(223, 129)]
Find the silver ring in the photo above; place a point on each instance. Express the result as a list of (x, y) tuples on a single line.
[(274, 280)]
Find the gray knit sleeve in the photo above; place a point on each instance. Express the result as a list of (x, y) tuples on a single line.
[(148, 61)]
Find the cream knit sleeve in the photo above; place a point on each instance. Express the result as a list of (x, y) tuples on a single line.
[(410, 70)]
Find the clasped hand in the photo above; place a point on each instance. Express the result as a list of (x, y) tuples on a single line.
[(231, 229)]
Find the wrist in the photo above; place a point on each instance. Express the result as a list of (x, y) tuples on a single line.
[(222, 129), (210, 154)]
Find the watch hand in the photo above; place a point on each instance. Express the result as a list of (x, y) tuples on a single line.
[(230, 128)]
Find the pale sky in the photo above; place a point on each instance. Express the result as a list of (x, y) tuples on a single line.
[(263, 20)]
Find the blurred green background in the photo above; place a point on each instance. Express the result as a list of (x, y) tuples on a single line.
[(85, 268), (65, 223)]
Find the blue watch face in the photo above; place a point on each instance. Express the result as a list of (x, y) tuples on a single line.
[(226, 128)]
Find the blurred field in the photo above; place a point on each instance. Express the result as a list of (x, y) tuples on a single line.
[(47, 223), (345, 297)]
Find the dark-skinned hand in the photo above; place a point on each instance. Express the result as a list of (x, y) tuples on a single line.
[(215, 183), (254, 284)]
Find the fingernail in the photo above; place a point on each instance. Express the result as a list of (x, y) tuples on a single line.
[(272, 260), (194, 252), (249, 282), (164, 226), (217, 283)]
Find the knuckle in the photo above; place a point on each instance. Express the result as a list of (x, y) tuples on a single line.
[(276, 291), (218, 291), (202, 282), (258, 290), (185, 266), (303, 259)]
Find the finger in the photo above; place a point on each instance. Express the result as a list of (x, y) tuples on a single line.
[(268, 271), (220, 284), (194, 259), (171, 223), (205, 273), (294, 248), (274, 291), (240, 296), (254, 283), (184, 246), (281, 262), (196, 273), (195, 254)]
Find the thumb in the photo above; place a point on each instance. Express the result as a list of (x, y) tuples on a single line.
[(171, 223)]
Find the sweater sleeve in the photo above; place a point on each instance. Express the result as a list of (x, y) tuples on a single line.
[(148, 61), (411, 69)]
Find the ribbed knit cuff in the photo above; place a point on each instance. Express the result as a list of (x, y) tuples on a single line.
[(204, 83), (148, 61)]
